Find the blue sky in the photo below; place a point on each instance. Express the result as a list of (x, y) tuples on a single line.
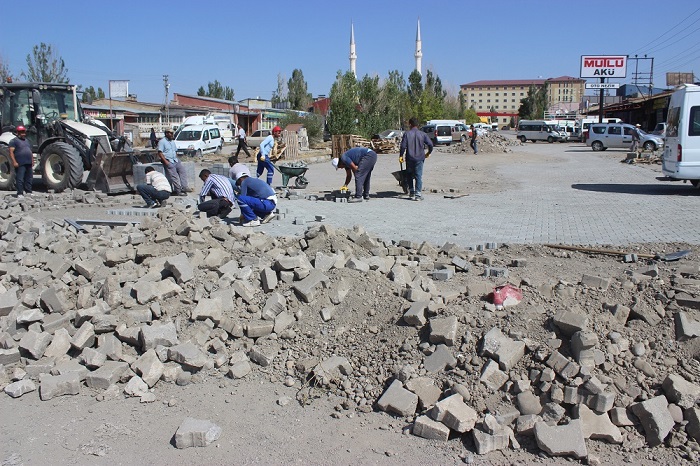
[(246, 45)]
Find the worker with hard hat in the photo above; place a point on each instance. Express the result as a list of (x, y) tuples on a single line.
[(256, 199), (22, 160), (266, 147)]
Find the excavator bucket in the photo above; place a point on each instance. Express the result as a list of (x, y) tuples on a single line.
[(113, 172)]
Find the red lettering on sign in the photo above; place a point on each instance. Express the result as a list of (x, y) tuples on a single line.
[(604, 62)]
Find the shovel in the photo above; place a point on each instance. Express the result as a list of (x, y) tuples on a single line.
[(674, 256)]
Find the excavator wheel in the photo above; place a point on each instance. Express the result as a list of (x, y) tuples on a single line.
[(7, 171), (61, 167)]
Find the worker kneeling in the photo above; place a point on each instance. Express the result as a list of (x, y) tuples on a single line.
[(221, 192), (255, 198)]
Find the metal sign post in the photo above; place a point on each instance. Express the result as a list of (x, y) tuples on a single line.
[(116, 89)]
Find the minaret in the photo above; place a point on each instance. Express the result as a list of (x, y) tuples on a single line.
[(353, 55), (419, 51)]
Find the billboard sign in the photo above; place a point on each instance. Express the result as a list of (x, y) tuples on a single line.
[(603, 66), (118, 89)]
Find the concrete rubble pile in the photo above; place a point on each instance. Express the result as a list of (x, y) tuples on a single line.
[(390, 325), (489, 143)]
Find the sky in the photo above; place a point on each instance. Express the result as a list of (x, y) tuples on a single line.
[(247, 45)]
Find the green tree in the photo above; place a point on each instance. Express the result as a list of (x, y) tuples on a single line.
[(533, 106), (91, 93), (216, 90), (311, 121), (470, 116), (414, 93), (394, 101), (299, 97), (342, 118), (45, 65), (4, 71)]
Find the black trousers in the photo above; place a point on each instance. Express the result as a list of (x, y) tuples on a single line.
[(220, 207), (242, 145)]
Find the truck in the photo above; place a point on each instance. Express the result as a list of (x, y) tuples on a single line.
[(65, 142)]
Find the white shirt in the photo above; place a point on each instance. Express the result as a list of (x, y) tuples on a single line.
[(241, 134), (158, 181)]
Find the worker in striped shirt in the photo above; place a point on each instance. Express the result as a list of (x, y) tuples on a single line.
[(221, 192)]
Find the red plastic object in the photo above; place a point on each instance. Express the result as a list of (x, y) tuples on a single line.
[(507, 295)]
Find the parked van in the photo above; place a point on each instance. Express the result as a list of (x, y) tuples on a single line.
[(439, 134), (619, 136), (461, 132), (536, 130), (195, 140), (681, 158)]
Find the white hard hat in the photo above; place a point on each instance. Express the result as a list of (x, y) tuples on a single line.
[(241, 174), (334, 162)]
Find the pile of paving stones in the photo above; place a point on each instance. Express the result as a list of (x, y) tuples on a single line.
[(375, 324), (489, 143)]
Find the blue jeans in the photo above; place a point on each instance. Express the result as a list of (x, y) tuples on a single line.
[(414, 169), (23, 179), (254, 207), (474, 146)]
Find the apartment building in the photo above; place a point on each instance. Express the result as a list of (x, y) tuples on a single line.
[(500, 99)]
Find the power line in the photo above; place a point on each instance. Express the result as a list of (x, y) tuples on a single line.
[(662, 35)]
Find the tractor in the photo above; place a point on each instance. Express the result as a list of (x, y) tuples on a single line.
[(65, 142)]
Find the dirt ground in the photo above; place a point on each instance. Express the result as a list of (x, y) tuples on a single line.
[(266, 421)]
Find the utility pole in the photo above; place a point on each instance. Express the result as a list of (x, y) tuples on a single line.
[(167, 101)]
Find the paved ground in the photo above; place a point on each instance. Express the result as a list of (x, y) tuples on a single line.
[(539, 193)]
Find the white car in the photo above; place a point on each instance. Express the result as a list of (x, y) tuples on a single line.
[(195, 140)]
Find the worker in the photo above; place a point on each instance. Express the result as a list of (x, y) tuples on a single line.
[(413, 145), (156, 189), (221, 192), (256, 199), (359, 161), (236, 167), (266, 147), (635, 138), (22, 159), (174, 169), (242, 143)]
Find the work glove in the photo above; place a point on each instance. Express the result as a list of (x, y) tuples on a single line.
[(343, 189), (400, 159), (427, 155), (261, 158)]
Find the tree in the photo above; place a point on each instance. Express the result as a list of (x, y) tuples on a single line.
[(45, 66), (4, 71), (216, 91), (470, 116), (533, 106), (343, 113), (299, 98), (91, 93)]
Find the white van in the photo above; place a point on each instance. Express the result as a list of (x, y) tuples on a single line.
[(681, 159), (536, 130), (195, 140)]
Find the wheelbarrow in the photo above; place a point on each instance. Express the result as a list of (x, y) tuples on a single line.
[(402, 177), (293, 171)]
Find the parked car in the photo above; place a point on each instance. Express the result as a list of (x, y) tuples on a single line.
[(461, 132), (255, 139), (660, 130), (439, 134), (195, 140), (619, 135)]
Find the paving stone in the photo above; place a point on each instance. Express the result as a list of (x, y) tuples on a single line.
[(492, 376), (259, 328), (109, 345), (692, 415), (196, 433), (147, 291), (262, 356), (525, 425), (427, 428), (239, 369), (415, 294), (428, 393), (208, 309), (562, 440), (107, 375), (70, 366), (441, 359), (601, 402), (569, 322), (678, 390), (8, 301), (622, 417), (52, 301), (84, 337), (245, 290), (415, 315), (621, 313), (646, 314), (92, 358), (581, 344), (687, 300), (444, 330), (597, 426), (307, 288), (53, 322), (29, 316), (136, 387), (396, 399), (268, 278), (564, 367), (486, 443), (593, 281), (455, 413), (19, 388), (156, 334), (686, 327), (655, 418), (187, 354), (180, 267), (51, 386), (35, 343), (149, 367), (274, 304)]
